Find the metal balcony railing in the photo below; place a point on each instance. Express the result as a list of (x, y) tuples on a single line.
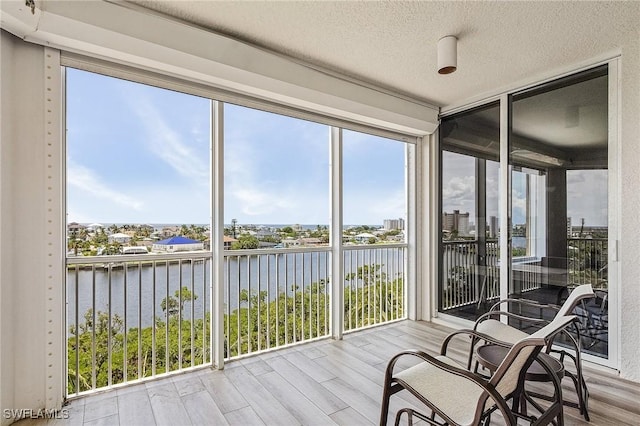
[(133, 317), (374, 284), (588, 261), (466, 283), (275, 298), (136, 316)]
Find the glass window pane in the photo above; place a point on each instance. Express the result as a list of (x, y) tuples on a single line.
[(276, 179), (559, 199), (138, 178), (374, 189), (469, 275)]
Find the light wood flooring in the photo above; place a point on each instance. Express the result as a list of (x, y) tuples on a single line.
[(320, 383)]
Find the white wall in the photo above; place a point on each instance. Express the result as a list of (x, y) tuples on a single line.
[(6, 293), (22, 220), (629, 249)]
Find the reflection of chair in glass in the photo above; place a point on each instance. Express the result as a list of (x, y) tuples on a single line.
[(593, 320), (490, 324), (458, 396)]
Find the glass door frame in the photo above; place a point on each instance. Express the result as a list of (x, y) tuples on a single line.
[(504, 202)]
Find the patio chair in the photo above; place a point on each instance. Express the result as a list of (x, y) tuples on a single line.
[(593, 320), (461, 397), (490, 324)]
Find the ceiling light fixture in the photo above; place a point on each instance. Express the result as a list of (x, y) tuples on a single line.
[(447, 54)]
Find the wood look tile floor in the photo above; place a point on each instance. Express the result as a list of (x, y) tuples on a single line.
[(320, 383)]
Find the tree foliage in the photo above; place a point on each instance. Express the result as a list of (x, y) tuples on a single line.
[(245, 241), (295, 314)]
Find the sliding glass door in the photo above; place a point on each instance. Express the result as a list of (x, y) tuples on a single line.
[(469, 275), (557, 219), (558, 157)]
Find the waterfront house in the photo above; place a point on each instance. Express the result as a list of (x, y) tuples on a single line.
[(120, 237), (228, 242), (369, 68), (177, 244)]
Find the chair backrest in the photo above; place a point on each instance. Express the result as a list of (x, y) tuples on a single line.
[(522, 354), (578, 294)]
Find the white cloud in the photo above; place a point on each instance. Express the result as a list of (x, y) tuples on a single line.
[(458, 193), (85, 180), (587, 196), (168, 145)]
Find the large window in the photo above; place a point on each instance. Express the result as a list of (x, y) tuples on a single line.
[(138, 177), (276, 179), (143, 278)]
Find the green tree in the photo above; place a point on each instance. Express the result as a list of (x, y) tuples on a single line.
[(245, 241), (173, 305), (295, 314)]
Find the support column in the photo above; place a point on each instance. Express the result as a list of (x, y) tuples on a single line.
[(337, 274)]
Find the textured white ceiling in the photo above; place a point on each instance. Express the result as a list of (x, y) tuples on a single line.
[(392, 44)]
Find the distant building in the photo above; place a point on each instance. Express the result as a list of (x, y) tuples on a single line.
[(364, 237), (569, 228), (119, 238), (169, 231), (493, 227), (290, 242), (228, 242), (178, 243), (456, 222), (135, 250), (75, 227), (297, 227), (391, 224), (310, 242), (94, 227)]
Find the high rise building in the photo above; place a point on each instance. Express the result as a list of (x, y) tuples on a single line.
[(493, 227), (456, 222), (391, 224)]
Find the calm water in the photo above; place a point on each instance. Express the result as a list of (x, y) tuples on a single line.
[(135, 289)]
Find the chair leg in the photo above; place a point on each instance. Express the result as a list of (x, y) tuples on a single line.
[(474, 340), (384, 411), (409, 412)]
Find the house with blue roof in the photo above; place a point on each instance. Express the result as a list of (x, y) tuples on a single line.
[(177, 243)]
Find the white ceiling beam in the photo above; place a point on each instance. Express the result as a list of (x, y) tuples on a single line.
[(120, 34)]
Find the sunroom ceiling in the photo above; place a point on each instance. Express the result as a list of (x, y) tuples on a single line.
[(393, 44)]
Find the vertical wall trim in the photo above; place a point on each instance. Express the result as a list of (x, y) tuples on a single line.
[(55, 236), (436, 184), (413, 295), (217, 234), (337, 273), (614, 212), (505, 192)]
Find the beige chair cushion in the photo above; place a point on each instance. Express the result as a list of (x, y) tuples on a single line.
[(454, 395), (500, 331)]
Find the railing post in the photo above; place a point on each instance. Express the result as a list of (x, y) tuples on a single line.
[(217, 235), (337, 274)]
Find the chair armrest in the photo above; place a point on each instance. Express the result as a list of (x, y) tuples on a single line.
[(475, 336), (480, 381), (525, 302), (491, 314), (458, 371)]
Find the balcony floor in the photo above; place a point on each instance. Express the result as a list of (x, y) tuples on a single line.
[(324, 382)]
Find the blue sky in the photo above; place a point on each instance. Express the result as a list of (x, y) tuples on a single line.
[(140, 154)]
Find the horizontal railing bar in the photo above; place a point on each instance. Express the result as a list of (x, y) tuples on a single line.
[(258, 252), (121, 258), (375, 246)]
